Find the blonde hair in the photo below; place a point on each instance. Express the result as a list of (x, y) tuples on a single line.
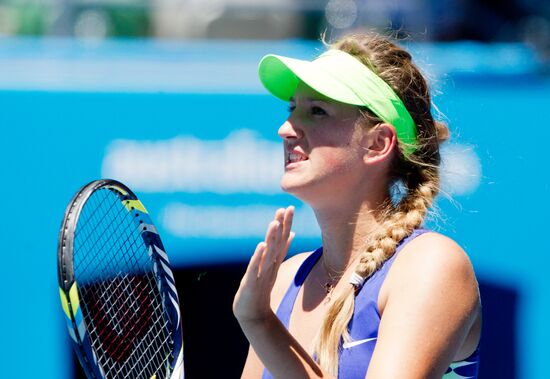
[(417, 174)]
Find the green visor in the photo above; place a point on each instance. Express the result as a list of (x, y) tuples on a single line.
[(341, 77)]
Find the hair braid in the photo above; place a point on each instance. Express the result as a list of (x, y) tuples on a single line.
[(418, 173)]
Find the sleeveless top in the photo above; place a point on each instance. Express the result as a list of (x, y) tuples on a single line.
[(355, 356)]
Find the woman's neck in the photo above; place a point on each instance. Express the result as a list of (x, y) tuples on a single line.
[(345, 231)]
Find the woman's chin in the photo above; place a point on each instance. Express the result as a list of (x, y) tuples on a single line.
[(291, 186), (286, 187), (299, 189)]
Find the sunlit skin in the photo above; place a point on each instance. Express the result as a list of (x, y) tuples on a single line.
[(340, 168), (333, 143), (344, 171)]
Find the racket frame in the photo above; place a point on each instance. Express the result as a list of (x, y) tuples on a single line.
[(68, 287)]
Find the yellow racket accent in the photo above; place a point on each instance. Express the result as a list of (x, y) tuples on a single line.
[(64, 303), (154, 376), (74, 298), (135, 204)]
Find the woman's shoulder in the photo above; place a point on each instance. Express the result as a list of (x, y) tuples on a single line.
[(432, 281), (434, 263), (436, 255), (432, 251)]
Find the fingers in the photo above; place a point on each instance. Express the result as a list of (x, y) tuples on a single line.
[(280, 214), (261, 273), (273, 245), (277, 237), (273, 234), (253, 269), (287, 222), (284, 217), (270, 254)]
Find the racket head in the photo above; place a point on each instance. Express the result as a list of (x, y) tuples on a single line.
[(116, 286)]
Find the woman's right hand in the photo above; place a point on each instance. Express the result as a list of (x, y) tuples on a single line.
[(252, 300)]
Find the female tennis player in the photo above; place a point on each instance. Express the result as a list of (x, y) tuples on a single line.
[(383, 297)]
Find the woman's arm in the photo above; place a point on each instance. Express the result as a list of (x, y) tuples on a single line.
[(254, 367), (431, 304), (281, 354), (272, 345)]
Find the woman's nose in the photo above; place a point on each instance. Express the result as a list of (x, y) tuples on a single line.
[(289, 130)]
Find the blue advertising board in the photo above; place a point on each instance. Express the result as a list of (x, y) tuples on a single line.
[(188, 127)]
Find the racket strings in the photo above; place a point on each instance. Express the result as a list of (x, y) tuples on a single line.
[(117, 317), (146, 347), (122, 303), (94, 234)]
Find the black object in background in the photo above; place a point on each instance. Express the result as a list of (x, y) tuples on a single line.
[(214, 345), (498, 333)]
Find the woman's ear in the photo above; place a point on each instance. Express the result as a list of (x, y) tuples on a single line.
[(380, 142)]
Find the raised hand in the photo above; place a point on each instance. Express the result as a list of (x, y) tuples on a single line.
[(252, 301)]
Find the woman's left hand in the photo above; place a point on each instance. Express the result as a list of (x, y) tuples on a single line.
[(252, 301)]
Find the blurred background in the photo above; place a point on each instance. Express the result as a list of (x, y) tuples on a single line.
[(163, 95)]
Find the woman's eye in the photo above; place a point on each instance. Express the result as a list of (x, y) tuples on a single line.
[(318, 111), (315, 110)]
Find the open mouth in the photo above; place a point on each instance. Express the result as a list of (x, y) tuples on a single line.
[(295, 157)]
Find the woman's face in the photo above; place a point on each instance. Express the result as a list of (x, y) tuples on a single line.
[(323, 147)]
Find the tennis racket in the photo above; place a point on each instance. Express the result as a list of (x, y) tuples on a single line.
[(116, 286)]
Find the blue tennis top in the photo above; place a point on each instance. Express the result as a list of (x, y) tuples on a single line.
[(356, 355)]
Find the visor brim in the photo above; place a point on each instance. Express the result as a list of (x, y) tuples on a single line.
[(281, 76)]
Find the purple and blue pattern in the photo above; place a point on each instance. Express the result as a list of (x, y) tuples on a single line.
[(355, 356)]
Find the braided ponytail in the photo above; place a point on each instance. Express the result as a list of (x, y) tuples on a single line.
[(418, 174)]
